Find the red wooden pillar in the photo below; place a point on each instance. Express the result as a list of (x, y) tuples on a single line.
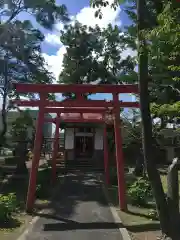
[(36, 157), (55, 149), (106, 162), (119, 157)]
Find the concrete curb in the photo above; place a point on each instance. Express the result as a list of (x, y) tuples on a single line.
[(123, 231), (27, 230)]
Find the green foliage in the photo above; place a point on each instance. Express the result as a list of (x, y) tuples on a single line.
[(140, 192), (8, 205), (22, 55), (46, 12), (93, 54), (104, 3), (21, 59), (20, 126), (113, 175), (153, 214), (43, 180), (11, 160), (20, 42), (164, 50), (41, 191), (168, 112), (44, 176), (161, 30)]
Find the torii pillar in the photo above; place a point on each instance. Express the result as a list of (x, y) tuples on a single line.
[(119, 155), (36, 156), (55, 148), (106, 163)]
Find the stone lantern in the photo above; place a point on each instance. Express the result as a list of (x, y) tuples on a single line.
[(168, 139)]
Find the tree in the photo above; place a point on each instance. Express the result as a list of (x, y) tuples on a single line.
[(163, 90), (164, 62), (45, 12), (143, 23), (152, 171), (19, 132), (93, 54), (161, 70), (20, 50)]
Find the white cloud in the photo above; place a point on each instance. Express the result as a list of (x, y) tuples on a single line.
[(55, 61), (128, 52), (21, 108), (87, 17), (59, 26), (53, 39)]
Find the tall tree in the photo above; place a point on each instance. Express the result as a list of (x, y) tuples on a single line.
[(93, 54), (152, 171), (164, 64), (20, 44), (20, 136), (147, 20)]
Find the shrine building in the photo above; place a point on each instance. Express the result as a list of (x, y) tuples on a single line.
[(83, 141)]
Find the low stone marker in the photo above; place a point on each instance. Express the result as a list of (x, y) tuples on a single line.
[(173, 191), (173, 183)]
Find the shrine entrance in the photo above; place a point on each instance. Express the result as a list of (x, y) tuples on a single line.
[(84, 147), (84, 143)]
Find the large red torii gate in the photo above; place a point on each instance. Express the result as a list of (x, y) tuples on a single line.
[(79, 105)]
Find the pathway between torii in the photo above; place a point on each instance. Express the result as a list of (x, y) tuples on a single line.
[(79, 212)]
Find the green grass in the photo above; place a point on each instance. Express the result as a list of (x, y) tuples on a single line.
[(21, 220), (138, 217), (19, 186)]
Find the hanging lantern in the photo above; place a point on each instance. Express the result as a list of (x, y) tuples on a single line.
[(109, 118)]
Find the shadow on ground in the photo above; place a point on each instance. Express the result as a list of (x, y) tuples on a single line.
[(144, 227), (81, 226), (76, 188)]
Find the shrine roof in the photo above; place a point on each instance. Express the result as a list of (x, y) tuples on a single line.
[(84, 115)]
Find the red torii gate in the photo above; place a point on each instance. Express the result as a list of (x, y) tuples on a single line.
[(80, 105)]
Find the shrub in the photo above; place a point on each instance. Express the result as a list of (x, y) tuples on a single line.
[(43, 180), (11, 160), (42, 191), (140, 192), (44, 176), (113, 176), (30, 155), (8, 205), (153, 214)]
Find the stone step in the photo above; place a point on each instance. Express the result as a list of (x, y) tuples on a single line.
[(81, 164)]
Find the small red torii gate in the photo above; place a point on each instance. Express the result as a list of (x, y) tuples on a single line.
[(80, 105), (58, 120)]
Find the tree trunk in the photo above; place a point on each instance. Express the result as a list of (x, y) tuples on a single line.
[(139, 170), (147, 140), (4, 112), (21, 155)]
